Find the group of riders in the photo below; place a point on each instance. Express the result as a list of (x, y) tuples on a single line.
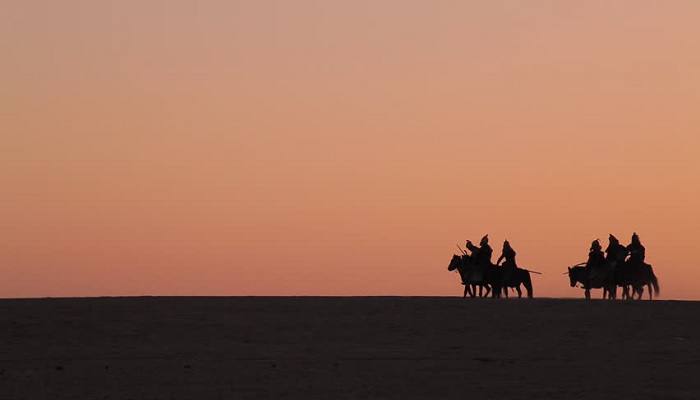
[(615, 255), (482, 254), (477, 270), (618, 265)]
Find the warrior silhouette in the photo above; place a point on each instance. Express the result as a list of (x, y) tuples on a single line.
[(636, 251), (482, 254)]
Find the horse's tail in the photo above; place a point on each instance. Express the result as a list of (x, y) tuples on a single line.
[(655, 284)]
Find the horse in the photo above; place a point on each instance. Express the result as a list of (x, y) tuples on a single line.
[(637, 276), (470, 280), (579, 274), (457, 264), (519, 276), (488, 277)]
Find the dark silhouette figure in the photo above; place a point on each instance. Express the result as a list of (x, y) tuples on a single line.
[(580, 274), (519, 277), (594, 270), (596, 258), (482, 254), (508, 254), (593, 274), (615, 254), (610, 271), (474, 275), (635, 273), (481, 260), (513, 276), (637, 276), (636, 251), (458, 263), (636, 260)]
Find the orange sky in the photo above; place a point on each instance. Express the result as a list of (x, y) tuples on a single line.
[(341, 147)]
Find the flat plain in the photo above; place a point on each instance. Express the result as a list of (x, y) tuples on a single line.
[(348, 348)]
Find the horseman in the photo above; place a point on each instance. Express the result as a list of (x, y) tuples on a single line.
[(509, 266), (482, 254), (596, 258), (595, 263), (616, 253), (636, 251), (508, 254)]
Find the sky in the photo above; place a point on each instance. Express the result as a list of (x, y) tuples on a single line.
[(315, 147)]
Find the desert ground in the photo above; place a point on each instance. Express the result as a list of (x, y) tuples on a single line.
[(348, 348)]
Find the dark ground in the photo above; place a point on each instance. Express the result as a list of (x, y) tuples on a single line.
[(348, 347)]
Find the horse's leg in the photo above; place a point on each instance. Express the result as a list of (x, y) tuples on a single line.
[(505, 291), (649, 289), (520, 293), (588, 293)]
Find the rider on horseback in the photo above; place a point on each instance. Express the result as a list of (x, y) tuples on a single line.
[(482, 254), (596, 261), (615, 253), (596, 258), (509, 266), (636, 251)]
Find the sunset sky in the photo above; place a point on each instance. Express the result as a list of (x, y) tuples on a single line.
[(316, 147)]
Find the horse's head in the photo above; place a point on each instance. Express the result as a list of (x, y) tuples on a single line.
[(455, 263), (572, 280)]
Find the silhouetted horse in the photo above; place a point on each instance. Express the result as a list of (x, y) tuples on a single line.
[(637, 276), (466, 272), (456, 264), (519, 276), (601, 279), (488, 277)]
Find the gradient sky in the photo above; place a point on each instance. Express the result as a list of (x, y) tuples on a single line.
[(316, 147)]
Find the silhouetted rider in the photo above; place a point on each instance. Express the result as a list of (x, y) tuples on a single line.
[(595, 262), (508, 254), (509, 265), (482, 254), (636, 251), (615, 253), (596, 258)]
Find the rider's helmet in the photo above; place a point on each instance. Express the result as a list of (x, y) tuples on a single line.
[(595, 245), (635, 238), (484, 240)]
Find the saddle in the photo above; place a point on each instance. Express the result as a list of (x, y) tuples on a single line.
[(509, 273), (478, 274), (597, 274)]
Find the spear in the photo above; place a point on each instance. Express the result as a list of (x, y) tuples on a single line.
[(460, 249), (534, 272)]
